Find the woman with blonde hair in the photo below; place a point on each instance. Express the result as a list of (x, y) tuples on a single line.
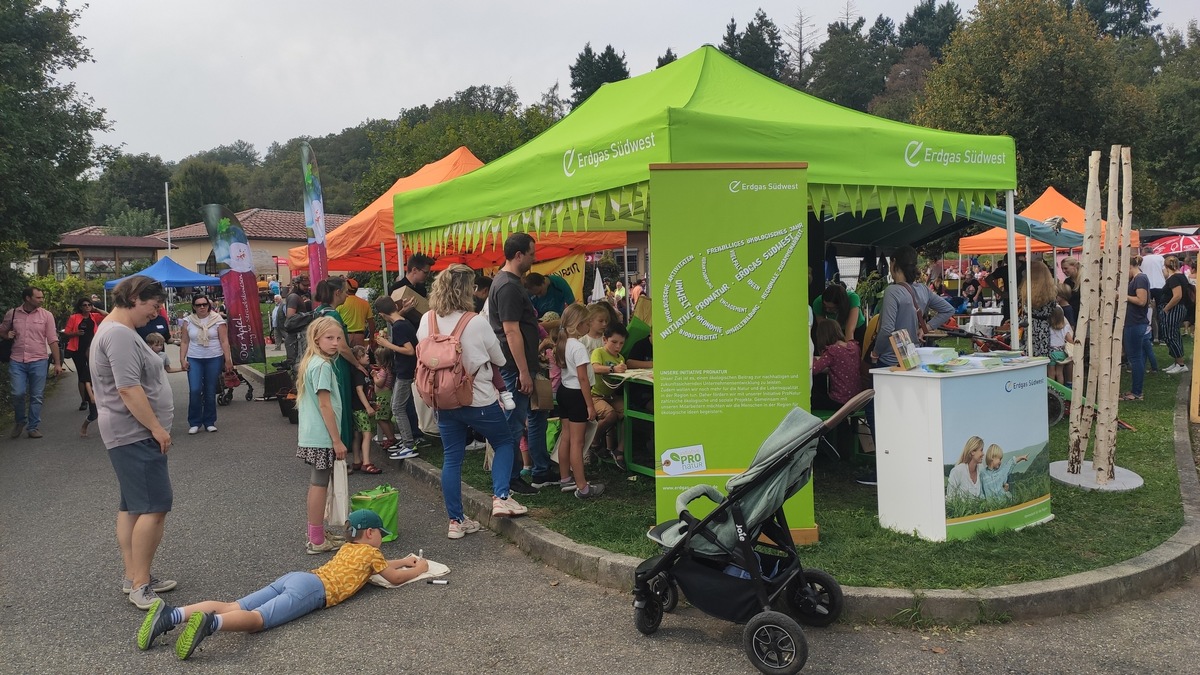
[(320, 411), (1044, 298), (452, 301), (963, 480)]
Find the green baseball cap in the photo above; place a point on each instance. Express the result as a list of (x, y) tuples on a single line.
[(366, 519)]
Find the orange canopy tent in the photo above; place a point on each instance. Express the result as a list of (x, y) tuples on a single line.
[(354, 247), (1050, 204)]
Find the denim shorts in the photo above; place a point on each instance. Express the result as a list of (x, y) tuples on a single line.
[(289, 597), (142, 474)]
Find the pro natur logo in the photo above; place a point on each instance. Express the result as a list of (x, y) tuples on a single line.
[(679, 461)]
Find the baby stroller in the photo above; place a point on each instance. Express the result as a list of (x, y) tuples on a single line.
[(724, 569), (230, 380)]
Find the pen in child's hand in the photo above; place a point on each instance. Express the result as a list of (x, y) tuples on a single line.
[(420, 553)]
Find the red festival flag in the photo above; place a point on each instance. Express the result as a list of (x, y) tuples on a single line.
[(314, 215), (235, 267)]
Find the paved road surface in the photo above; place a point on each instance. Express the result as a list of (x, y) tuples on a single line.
[(239, 523)]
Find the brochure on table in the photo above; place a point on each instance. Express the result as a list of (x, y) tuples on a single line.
[(730, 345), (933, 426)]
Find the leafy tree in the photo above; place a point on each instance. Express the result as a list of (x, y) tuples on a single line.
[(489, 120), (1026, 69), (238, 153), (905, 85), (553, 105), (196, 183), (1122, 18), (929, 25), (133, 222), (760, 46), (591, 70), (130, 181), (668, 57), (1173, 144), (46, 126), (848, 68)]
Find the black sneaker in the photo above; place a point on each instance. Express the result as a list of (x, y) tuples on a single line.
[(157, 622), (521, 487), (83, 405), (199, 626), (871, 479), (545, 480)]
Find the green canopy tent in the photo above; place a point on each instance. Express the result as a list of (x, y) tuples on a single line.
[(591, 170)]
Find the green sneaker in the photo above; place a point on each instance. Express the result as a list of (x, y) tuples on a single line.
[(157, 622), (199, 626)]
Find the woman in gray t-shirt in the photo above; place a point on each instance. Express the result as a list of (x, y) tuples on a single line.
[(135, 413)]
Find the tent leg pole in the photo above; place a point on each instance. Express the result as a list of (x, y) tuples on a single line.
[(1028, 296), (383, 265), (628, 310), (1010, 283)]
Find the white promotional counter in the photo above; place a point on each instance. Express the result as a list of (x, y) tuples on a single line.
[(962, 452)]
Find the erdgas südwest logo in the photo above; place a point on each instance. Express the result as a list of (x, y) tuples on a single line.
[(917, 153), (573, 160), (736, 186)]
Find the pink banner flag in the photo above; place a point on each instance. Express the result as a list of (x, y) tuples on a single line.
[(314, 215), (235, 267)]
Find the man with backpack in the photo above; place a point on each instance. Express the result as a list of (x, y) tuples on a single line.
[(514, 320)]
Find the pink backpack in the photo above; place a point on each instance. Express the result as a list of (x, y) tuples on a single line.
[(441, 378)]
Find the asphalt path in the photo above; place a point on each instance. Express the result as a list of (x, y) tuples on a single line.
[(238, 523)]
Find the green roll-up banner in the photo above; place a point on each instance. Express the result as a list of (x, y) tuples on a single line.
[(729, 280)]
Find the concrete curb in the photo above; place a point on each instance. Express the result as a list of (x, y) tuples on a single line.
[(1138, 577)]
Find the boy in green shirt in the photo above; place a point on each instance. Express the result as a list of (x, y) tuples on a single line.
[(610, 409)]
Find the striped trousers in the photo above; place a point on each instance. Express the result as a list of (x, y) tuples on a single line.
[(1168, 325)]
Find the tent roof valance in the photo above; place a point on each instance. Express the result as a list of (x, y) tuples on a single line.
[(589, 171)]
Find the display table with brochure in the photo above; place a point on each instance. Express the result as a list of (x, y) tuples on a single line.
[(964, 451)]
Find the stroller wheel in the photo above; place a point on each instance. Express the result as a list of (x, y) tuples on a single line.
[(1055, 406), (648, 618), (666, 590), (818, 602), (223, 399), (775, 643), (250, 395)]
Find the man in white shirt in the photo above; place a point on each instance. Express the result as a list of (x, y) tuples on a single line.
[(1152, 267)]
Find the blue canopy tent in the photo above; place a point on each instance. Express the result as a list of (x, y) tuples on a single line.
[(170, 274)]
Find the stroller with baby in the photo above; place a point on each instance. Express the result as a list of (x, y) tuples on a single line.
[(740, 560), (230, 380)]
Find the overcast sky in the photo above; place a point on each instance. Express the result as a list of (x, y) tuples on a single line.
[(179, 77)]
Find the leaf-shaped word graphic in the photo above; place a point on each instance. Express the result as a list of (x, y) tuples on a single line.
[(719, 291), (308, 175)]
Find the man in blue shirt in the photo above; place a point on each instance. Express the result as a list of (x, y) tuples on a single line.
[(548, 293)]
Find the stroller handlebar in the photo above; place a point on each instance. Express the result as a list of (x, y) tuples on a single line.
[(691, 494), (855, 403)]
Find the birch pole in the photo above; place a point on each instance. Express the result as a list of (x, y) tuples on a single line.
[(1106, 420), (1083, 410)]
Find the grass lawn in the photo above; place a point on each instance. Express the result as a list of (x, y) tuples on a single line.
[(1090, 529)]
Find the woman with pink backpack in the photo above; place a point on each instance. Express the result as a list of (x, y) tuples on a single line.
[(456, 353)]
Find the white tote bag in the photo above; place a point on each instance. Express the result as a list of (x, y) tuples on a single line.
[(337, 501)]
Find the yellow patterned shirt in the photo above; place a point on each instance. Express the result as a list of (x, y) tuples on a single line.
[(349, 571)]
